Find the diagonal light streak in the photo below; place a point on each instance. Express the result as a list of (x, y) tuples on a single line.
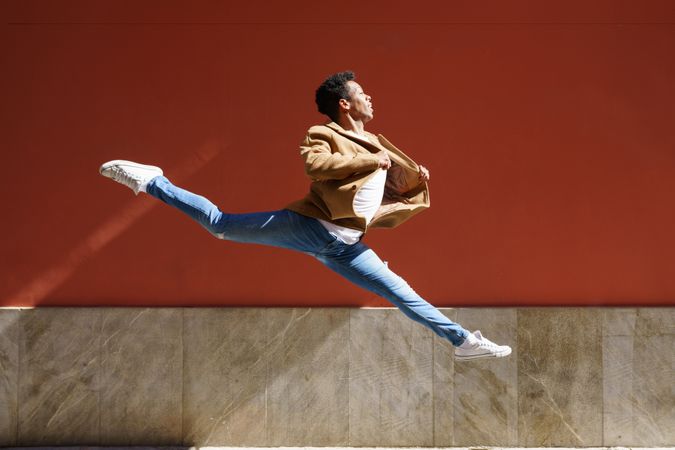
[(39, 288)]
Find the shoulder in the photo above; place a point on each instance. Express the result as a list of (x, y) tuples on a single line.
[(320, 130), (321, 134)]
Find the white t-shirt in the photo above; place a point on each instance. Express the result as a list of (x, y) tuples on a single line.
[(366, 203)]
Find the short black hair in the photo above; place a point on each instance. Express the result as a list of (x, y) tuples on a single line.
[(330, 92)]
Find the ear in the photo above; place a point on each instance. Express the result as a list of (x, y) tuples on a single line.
[(344, 103)]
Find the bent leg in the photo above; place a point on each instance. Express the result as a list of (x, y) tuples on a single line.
[(360, 265), (281, 228)]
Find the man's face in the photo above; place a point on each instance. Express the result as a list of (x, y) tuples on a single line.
[(360, 103)]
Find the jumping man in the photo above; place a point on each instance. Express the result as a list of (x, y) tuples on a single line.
[(359, 181)]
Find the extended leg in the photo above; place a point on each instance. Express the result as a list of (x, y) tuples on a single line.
[(282, 228), (363, 267)]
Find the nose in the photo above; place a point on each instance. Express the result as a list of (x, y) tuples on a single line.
[(369, 98)]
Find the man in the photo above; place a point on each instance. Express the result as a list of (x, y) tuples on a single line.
[(359, 181)]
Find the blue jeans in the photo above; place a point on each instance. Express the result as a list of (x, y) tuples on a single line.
[(287, 229)]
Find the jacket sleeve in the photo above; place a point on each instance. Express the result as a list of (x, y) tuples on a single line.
[(322, 164)]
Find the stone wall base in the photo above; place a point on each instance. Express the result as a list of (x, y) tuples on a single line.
[(337, 377)]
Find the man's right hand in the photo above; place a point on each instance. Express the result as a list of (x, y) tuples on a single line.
[(384, 161)]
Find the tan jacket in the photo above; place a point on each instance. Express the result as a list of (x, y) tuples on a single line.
[(339, 164)]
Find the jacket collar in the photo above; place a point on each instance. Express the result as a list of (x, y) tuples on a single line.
[(377, 143), (374, 141)]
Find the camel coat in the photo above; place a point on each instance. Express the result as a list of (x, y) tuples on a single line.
[(339, 163)]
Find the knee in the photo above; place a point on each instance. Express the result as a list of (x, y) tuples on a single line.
[(214, 224), (220, 236), (401, 287)]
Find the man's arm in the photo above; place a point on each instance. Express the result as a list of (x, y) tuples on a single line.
[(322, 164)]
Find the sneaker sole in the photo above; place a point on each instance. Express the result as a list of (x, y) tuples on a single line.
[(484, 355), (122, 162)]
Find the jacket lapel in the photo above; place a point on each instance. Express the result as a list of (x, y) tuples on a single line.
[(383, 144), (372, 146), (397, 155)]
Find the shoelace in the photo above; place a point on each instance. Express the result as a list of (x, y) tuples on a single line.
[(124, 177), (487, 344)]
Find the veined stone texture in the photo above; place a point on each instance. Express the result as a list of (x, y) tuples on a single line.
[(307, 377), (390, 380), (58, 376), (225, 376), (638, 383), (443, 386), (559, 377), (334, 377), (141, 376), (485, 398), (9, 375)]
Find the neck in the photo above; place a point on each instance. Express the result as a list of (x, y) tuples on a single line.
[(348, 123)]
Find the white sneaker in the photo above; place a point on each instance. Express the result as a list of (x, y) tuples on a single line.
[(477, 346), (133, 175)]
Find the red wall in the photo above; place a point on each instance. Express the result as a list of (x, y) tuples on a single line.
[(548, 130)]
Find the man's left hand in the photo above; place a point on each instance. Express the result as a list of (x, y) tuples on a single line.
[(424, 174)]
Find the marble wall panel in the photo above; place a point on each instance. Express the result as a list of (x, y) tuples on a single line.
[(559, 377), (485, 394), (141, 376), (307, 377), (653, 390), (334, 377), (390, 380), (617, 355), (619, 321), (655, 321), (58, 380), (639, 403), (226, 357), (443, 386), (9, 375)]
